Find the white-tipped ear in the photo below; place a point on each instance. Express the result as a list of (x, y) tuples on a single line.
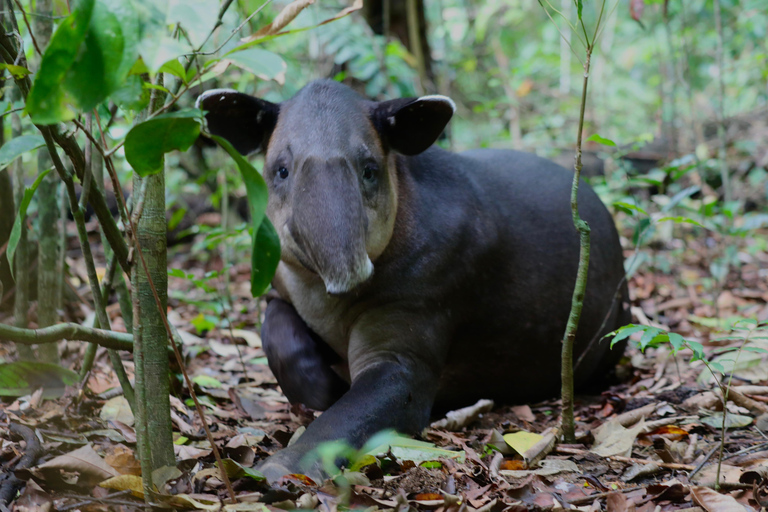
[(440, 99), (410, 125), (246, 122), (220, 94)]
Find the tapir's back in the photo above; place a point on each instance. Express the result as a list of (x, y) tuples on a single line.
[(519, 274)]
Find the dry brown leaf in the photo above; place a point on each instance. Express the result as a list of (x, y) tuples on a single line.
[(524, 413), (85, 461), (613, 439), (713, 501), (123, 460), (286, 16), (617, 502), (356, 6)]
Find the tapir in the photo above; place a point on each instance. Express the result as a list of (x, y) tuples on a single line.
[(412, 278)]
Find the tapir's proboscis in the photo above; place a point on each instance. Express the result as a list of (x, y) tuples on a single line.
[(412, 278)]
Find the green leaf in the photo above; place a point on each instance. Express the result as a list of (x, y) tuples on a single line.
[(148, 142), (265, 249), (681, 220), (265, 257), (629, 207), (648, 336), (676, 341), (175, 68), (18, 72), (579, 7), (625, 332), (47, 100), (262, 63), (597, 138), (731, 420), (13, 239), (17, 146), (235, 471), (697, 349), (204, 381), (24, 377), (88, 58)]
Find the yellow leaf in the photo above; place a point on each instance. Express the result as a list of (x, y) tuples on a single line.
[(125, 483), (522, 441), (524, 88)]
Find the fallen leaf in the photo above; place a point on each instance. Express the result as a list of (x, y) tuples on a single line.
[(117, 409), (90, 467), (613, 439), (125, 483), (522, 441), (713, 501), (617, 502)]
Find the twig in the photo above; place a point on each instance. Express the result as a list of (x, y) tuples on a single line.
[(69, 331), (704, 461), (29, 28)]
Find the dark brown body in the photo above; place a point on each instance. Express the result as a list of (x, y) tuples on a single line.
[(468, 297)]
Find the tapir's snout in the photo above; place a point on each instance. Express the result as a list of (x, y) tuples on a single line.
[(329, 223), (360, 275)]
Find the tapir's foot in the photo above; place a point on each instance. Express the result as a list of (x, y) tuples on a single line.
[(287, 462)]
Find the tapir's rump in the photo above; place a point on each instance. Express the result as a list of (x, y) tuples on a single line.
[(413, 277)]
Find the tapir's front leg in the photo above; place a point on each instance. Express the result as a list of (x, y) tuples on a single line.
[(387, 395), (299, 359)]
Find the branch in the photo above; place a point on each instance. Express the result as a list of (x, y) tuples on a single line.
[(69, 331)]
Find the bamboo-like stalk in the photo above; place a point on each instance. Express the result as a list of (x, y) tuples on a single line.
[(21, 258), (724, 176), (577, 300), (48, 217), (150, 334)]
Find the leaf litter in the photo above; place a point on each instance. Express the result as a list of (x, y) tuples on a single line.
[(648, 444)]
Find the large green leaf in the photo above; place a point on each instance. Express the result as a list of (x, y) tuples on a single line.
[(17, 146), (147, 142), (13, 239), (24, 377), (265, 247), (87, 59), (262, 63)]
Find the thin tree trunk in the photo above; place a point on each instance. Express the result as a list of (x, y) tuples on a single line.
[(577, 300), (150, 336), (7, 215), (565, 50), (21, 257), (48, 219), (721, 105)]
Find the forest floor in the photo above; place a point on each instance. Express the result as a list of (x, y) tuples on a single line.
[(651, 443)]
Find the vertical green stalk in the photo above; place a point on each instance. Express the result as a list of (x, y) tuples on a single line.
[(21, 258), (721, 105), (150, 334), (48, 218), (577, 300)]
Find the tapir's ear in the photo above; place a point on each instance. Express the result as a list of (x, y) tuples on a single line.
[(246, 122), (410, 125)]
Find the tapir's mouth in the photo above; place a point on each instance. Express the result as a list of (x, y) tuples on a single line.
[(351, 281), (338, 279)]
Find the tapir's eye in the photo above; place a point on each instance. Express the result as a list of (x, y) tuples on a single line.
[(369, 172), (282, 172)]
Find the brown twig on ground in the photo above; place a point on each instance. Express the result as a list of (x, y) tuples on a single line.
[(618, 458)]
